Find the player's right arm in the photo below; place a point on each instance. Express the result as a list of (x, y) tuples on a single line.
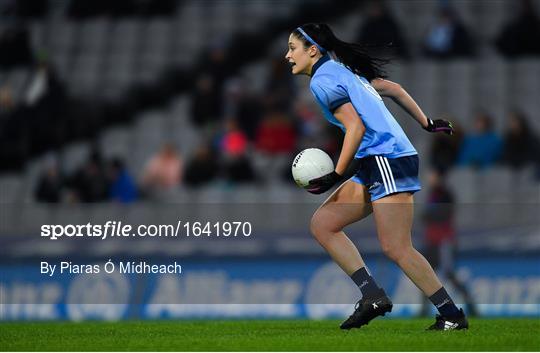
[(354, 132), (399, 95)]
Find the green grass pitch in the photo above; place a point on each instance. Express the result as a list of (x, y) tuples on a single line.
[(268, 335)]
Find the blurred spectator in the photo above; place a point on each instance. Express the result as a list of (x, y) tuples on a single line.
[(482, 147), (521, 35), (275, 143), (276, 134), (163, 171), (234, 147), (444, 149), (440, 236), (202, 168), (521, 146), (233, 142), (206, 101), (122, 186), (311, 128), (314, 131), (15, 40), (14, 131), (44, 84), (382, 32), (89, 183), (38, 84), (214, 62), (50, 184), (45, 100), (280, 85), (244, 104), (448, 37)]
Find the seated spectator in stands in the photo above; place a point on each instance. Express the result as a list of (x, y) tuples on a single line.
[(521, 146), (242, 103), (234, 147), (448, 37), (163, 171), (276, 134), (275, 143), (45, 101), (381, 33), (216, 63), (233, 142), (41, 82), (308, 120), (90, 183), (444, 149), (280, 85), (482, 147), (122, 186), (311, 129), (206, 102), (521, 35), (50, 185), (202, 168), (14, 131)]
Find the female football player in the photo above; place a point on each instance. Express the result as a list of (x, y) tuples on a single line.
[(348, 85)]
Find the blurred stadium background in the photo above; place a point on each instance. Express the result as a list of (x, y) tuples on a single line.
[(155, 111)]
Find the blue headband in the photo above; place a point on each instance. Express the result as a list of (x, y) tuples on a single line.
[(321, 49)]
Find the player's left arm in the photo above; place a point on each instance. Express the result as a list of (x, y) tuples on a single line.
[(399, 95), (354, 132)]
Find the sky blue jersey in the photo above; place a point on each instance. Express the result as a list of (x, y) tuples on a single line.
[(333, 85)]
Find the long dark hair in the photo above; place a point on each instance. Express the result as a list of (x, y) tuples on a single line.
[(352, 55)]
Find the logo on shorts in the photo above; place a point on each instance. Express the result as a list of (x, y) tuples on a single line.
[(374, 185)]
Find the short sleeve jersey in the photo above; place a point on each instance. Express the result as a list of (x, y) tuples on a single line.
[(333, 85)]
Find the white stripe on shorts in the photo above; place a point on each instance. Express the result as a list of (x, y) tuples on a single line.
[(383, 174), (390, 172)]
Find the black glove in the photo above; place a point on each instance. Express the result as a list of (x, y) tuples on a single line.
[(440, 125), (324, 183)]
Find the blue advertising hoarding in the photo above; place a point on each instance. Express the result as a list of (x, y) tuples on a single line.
[(254, 288)]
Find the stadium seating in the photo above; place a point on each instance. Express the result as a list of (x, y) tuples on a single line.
[(104, 57)]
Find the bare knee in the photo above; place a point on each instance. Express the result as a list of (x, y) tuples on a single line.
[(321, 228), (396, 252), (316, 226)]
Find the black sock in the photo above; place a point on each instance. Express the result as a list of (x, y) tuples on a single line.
[(366, 283), (444, 303)]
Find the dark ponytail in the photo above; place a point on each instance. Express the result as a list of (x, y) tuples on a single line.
[(351, 55)]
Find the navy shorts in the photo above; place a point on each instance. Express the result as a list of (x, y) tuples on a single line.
[(385, 176)]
